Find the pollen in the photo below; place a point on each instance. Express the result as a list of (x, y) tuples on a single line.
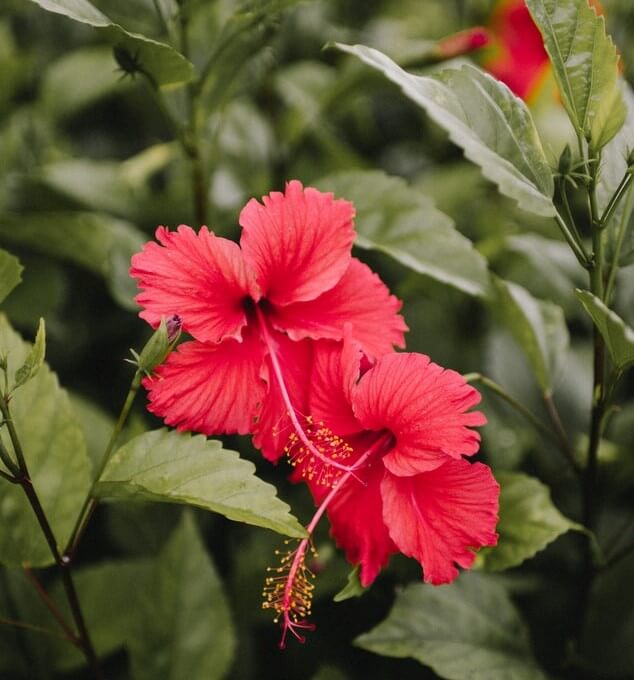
[(319, 457), (288, 589)]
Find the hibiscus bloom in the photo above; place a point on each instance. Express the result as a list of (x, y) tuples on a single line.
[(247, 308), (517, 56), (407, 425)]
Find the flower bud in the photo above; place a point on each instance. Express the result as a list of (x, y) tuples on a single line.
[(159, 345)]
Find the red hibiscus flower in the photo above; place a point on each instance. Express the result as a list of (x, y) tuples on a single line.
[(517, 56), (291, 277), (414, 493), (390, 472)]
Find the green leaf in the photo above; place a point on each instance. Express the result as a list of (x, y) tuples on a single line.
[(99, 243), (183, 627), (108, 593), (10, 273), (170, 467), (96, 425), (538, 326), (468, 630), (55, 452), (34, 359), (585, 64), (493, 126), (618, 336), (528, 522), (353, 587), (161, 62), (394, 218)]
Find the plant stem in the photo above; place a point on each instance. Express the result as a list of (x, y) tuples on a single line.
[(623, 187), (32, 627), (558, 436), (614, 265), (69, 634), (90, 503), (10, 464), (83, 639), (564, 442), (575, 245)]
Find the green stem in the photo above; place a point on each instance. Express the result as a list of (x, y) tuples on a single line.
[(614, 265), (69, 634), (557, 437), (5, 456), (562, 437), (32, 627), (63, 565), (623, 187), (618, 556), (575, 245), (90, 503)]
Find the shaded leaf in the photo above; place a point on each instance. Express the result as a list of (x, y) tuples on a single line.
[(34, 359), (481, 115), (108, 593), (55, 452), (529, 521), (183, 626), (398, 220), (353, 587), (167, 466), (468, 630), (10, 273), (96, 425), (100, 243), (538, 326), (618, 336), (584, 61), (161, 62), (79, 79)]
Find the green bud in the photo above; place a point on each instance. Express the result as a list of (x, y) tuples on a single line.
[(565, 161), (159, 345)]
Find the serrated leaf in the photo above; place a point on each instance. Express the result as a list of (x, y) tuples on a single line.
[(34, 359), (529, 521), (55, 452), (353, 587), (618, 336), (396, 219), (97, 242), (161, 62), (170, 467), (183, 627), (10, 273), (468, 630), (584, 61), (538, 326), (493, 126)]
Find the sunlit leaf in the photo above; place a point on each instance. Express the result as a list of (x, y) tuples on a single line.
[(584, 63), (468, 630), (10, 273), (481, 115), (183, 626), (618, 336), (34, 359), (100, 243), (529, 521), (161, 62), (55, 452), (167, 466), (398, 220)]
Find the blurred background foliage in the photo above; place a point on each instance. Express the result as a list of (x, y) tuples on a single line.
[(90, 165)]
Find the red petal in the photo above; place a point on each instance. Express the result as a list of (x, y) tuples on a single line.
[(298, 243), (200, 277), (334, 374), (441, 517), (273, 425), (361, 299), (356, 516), (209, 388), (424, 406)]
